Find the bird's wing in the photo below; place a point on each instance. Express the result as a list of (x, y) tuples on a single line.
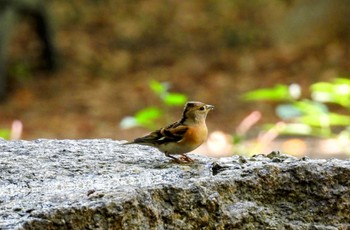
[(172, 133)]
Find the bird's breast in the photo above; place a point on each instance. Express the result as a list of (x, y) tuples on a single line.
[(192, 139), (195, 135)]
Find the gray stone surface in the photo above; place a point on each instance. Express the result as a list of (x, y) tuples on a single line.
[(101, 184)]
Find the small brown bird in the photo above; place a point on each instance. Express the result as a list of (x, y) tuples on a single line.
[(182, 136)]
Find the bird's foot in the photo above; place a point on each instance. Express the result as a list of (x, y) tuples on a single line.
[(186, 158), (181, 160)]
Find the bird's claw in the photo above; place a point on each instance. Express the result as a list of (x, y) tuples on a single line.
[(185, 158), (182, 159)]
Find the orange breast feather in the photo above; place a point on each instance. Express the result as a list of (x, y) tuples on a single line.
[(195, 136)]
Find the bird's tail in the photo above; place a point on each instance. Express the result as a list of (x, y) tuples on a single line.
[(135, 142), (129, 143), (150, 140)]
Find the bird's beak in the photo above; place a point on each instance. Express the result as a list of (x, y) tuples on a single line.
[(209, 107)]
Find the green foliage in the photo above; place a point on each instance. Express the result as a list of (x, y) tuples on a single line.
[(277, 93), (145, 117), (337, 91), (149, 116), (5, 133), (170, 99), (159, 88), (303, 116), (175, 99)]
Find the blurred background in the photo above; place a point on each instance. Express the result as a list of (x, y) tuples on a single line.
[(114, 64)]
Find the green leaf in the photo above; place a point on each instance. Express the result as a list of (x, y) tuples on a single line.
[(277, 93), (304, 130), (5, 133), (158, 87), (311, 107), (322, 87), (175, 99), (339, 119), (340, 80), (336, 92), (297, 129), (146, 117), (331, 119)]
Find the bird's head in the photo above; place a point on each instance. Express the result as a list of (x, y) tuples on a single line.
[(196, 111)]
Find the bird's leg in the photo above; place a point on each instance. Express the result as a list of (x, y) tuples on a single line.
[(168, 155), (177, 160), (186, 158)]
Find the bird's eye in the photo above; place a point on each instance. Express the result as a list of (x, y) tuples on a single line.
[(202, 108)]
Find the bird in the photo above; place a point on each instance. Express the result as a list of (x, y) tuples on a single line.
[(182, 136)]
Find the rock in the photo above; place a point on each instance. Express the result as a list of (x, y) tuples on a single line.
[(101, 184)]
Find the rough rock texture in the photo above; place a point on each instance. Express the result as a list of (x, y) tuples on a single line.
[(101, 184)]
